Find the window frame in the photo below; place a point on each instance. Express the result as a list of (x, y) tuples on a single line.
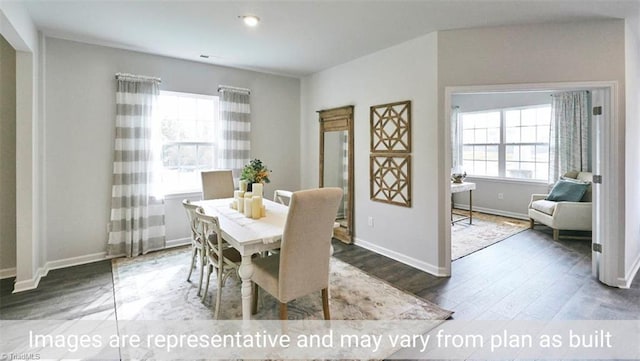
[(169, 189), (502, 145)]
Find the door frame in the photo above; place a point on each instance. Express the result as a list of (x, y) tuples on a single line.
[(607, 196)]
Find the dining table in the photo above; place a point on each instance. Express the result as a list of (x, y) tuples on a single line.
[(248, 235)]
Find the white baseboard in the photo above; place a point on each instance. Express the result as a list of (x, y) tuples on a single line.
[(7, 273), (496, 212), (626, 282), (32, 283), (416, 263), (74, 261), (177, 242)]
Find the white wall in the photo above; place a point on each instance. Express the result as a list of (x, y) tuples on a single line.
[(18, 29), (632, 169), (7, 159), (80, 114), (516, 193), (403, 72), (548, 53)]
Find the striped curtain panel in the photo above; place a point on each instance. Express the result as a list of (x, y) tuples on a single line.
[(235, 126), (137, 207), (570, 134)]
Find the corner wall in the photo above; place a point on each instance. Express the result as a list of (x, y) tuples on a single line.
[(7, 159), (403, 72), (632, 152)]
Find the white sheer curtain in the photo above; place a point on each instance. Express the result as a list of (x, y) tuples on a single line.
[(235, 132), (456, 143), (137, 208), (570, 134)]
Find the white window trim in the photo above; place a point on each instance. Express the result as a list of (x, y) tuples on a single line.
[(184, 193)]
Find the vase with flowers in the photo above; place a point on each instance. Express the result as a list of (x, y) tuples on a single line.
[(255, 172)]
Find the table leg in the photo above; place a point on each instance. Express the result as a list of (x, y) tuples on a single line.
[(470, 206), (245, 272)]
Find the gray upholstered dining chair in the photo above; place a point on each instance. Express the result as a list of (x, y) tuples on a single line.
[(217, 184), (302, 266), (219, 255), (282, 196), (197, 246)]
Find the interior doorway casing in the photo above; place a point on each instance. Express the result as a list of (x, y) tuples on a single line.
[(608, 201)]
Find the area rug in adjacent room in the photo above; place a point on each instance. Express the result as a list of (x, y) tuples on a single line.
[(485, 230), (154, 287)]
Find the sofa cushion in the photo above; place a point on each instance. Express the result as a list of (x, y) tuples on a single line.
[(568, 190), (544, 206)]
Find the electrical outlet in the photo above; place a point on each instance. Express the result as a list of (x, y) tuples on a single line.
[(370, 221), (500, 195)]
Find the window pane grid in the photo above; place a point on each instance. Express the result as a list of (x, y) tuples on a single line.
[(188, 128), (524, 149)]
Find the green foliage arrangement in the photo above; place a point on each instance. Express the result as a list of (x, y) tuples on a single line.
[(255, 172)]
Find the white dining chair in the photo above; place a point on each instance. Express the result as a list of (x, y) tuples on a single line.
[(302, 266), (282, 196), (219, 256), (217, 184), (197, 246)]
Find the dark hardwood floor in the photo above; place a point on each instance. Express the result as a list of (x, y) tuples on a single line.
[(527, 276)]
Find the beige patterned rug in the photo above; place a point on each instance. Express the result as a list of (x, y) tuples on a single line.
[(486, 230), (154, 287)]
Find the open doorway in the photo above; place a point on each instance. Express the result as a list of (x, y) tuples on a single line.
[(509, 194)]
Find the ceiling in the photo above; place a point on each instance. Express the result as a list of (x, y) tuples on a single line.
[(294, 38)]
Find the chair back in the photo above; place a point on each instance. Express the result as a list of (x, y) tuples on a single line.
[(210, 233), (282, 196), (196, 229), (306, 242), (217, 184)]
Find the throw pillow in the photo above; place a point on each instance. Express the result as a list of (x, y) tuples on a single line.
[(568, 191)]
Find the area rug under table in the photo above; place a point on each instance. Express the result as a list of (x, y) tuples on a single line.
[(154, 287), (485, 230)]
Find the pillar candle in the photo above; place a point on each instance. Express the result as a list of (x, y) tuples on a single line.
[(240, 204), (247, 207), (248, 194), (256, 207), (243, 185), (238, 194), (257, 189)]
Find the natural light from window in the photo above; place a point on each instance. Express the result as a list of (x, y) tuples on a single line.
[(188, 129), (507, 143)]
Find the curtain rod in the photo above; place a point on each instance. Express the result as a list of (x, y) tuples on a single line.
[(227, 87), (137, 77)]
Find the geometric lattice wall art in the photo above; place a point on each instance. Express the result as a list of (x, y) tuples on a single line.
[(391, 127), (390, 178)]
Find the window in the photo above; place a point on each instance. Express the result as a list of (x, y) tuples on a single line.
[(188, 132), (507, 143)]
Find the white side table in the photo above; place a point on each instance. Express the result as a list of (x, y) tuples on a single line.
[(463, 187)]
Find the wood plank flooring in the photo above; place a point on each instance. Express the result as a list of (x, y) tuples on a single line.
[(527, 276)]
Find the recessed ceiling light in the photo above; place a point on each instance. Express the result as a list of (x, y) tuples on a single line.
[(250, 20)]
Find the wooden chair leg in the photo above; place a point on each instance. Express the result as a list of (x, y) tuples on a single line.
[(556, 234), (254, 299), (206, 287), (531, 223), (325, 303), (283, 311), (193, 262)]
